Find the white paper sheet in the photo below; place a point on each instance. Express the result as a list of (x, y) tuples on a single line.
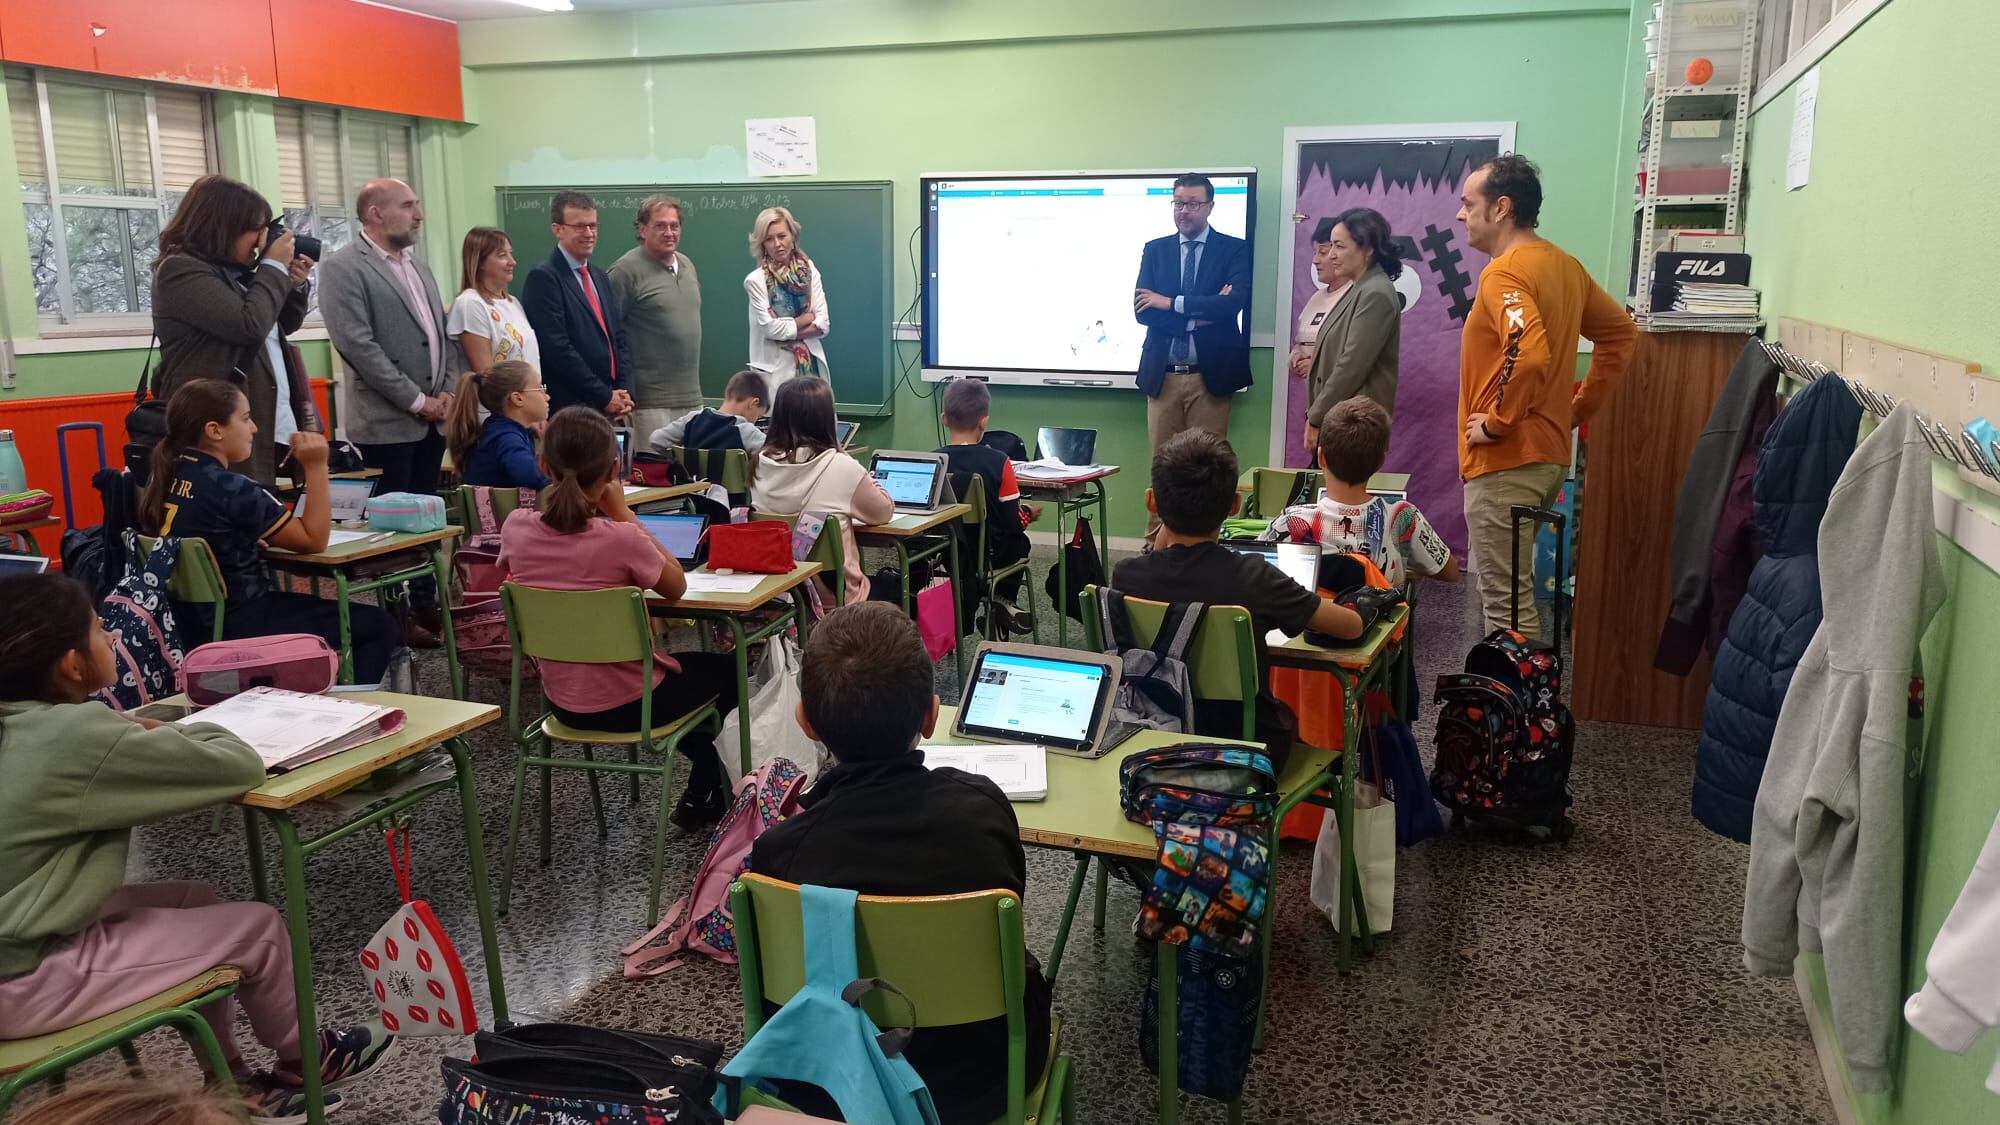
[(781, 146), (1048, 468), (1798, 159), (706, 583), (1020, 770), (336, 537)]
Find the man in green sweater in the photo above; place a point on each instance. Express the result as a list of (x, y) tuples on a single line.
[(659, 299)]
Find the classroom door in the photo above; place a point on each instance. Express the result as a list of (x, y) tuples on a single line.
[(1411, 174)]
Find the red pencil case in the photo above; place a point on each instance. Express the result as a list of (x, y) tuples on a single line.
[(756, 547)]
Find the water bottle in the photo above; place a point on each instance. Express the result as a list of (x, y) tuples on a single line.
[(13, 475)]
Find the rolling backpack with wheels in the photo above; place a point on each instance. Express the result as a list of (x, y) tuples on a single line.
[(1504, 736)]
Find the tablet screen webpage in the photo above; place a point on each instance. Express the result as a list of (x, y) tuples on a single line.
[(1035, 699), (906, 482), (679, 534), (347, 499)]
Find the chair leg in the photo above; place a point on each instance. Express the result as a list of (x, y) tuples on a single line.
[(660, 830), (596, 796), (129, 1051), (1235, 1106), (202, 1038), (548, 813), (1068, 915), (513, 827), (1097, 908), (633, 777)]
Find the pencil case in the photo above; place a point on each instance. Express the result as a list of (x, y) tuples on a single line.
[(405, 511), (288, 661), (25, 507)]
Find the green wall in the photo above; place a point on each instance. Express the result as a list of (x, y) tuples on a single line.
[(1892, 238), (955, 87)]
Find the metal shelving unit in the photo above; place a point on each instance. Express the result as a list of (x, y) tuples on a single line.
[(1693, 136)]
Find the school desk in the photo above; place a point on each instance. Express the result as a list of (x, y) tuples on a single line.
[(345, 563), (916, 536), (1072, 496)]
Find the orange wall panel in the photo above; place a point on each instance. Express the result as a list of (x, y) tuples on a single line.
[(222, 43), (347, 53)]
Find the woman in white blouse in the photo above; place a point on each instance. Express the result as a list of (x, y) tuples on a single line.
[(788, 316), (486, 320)]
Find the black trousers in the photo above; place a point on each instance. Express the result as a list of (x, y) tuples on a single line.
[(703, 675), (410, 466), (373, 631)]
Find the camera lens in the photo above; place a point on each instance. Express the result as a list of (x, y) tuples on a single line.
[(308, 245)]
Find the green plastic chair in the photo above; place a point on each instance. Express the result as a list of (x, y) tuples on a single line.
[(989, 575), (197, 577), (23, 1062), (1270, 488), (729, 468), (901, 941), (829, 551), (589, 627)]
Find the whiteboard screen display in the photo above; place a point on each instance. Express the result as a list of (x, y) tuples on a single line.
[(1035, 273)]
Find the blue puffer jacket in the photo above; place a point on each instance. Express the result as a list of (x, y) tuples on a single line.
[(1801, 458)]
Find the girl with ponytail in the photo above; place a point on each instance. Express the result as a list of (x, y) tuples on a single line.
[(499, 450), (585, 538), (192, 492)]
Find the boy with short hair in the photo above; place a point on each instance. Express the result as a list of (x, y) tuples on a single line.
[(881, 823), (1353, 443), (1193, 491), (968, 406), (733, 425)]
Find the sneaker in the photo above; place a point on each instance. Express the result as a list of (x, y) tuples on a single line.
[(1016, 619), (347, 1054), (275, 1100)]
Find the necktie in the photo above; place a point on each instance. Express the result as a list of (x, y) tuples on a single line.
[(1182, 349), (590, 297)]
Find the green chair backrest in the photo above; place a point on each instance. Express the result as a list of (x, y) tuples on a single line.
[(197, 576), (1270, 488), (829, 551), (462, 510), (579, 626), (729, 468), (1222, 661)]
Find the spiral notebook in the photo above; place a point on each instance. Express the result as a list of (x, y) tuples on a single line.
[(289, 729)]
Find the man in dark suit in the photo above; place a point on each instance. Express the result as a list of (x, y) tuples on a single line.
[(1193, 288), (569, 305)]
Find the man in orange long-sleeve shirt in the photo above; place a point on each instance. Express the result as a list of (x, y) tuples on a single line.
[(1517, 394)]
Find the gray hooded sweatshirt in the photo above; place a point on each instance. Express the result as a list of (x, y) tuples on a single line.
[(1827, 840)]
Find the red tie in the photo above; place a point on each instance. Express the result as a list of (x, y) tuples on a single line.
[(590, 295)]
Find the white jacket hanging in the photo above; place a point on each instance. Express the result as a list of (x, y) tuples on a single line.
[(1961, 998)]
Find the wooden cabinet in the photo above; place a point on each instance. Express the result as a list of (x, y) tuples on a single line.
[(1640, 444)]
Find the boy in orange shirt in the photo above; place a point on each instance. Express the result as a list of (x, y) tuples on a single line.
[(1516, 396)]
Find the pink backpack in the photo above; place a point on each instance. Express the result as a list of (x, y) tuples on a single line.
[(700, 921), (288, 661), (478, 624)]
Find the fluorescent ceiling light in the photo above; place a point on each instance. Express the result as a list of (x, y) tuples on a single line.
[(545, 5)]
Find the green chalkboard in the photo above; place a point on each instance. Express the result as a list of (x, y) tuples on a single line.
[(844, 226)]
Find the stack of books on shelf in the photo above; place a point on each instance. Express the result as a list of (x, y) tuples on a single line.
[(1710, 304)]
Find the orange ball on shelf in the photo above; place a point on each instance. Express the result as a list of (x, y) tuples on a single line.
[(1699, 71)]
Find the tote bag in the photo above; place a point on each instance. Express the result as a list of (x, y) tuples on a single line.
[(1374, 858)]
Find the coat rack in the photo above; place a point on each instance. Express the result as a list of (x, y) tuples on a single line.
[(1948, 393)]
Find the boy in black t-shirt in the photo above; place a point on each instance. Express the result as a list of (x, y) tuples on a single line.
[(967, 408), (1193, 491)]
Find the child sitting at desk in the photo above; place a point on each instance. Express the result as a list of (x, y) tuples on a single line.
[(733, 425), (76, 941), (1353, 443), (880, 823), (565, 546), (1193, 491), (968, 406), (802, 469), (191, 492), (498, 451)]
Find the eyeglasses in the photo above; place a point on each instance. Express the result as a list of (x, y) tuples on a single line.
[(579, 226), (1190, 204)]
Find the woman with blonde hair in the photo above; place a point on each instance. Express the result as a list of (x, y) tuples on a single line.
[(486, 320), (788, 316)]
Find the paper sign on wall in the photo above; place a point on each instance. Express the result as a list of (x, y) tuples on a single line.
[(1805, 100), (781, 146)]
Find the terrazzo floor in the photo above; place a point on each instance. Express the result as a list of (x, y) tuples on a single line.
[(1594, 982)]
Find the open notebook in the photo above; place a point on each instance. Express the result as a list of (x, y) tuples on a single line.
[(1021, 772), (288, 729)]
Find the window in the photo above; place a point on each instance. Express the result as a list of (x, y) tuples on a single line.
[(326, 154), (103, 166), (1792, 35)]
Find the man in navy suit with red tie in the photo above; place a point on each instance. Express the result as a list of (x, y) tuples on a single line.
[(1194, 286), (568, 301)]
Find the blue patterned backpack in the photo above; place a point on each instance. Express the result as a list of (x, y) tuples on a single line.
[(140, 619)]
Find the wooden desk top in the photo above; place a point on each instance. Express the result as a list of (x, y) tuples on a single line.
[(751, 600), (1081, 811), (427, 721), (36, 524), (909, 524), (654, 493), (358, 550), (1296, 653), (1065, 484)]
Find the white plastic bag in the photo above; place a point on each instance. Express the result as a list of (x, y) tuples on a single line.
[(774, 723), (1374, 855)]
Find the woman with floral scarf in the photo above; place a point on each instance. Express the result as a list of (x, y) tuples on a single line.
[(788, 316)]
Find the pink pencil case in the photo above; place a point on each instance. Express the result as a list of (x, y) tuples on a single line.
[(288, 661)]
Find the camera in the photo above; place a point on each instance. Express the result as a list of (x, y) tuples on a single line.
[(301, 243)]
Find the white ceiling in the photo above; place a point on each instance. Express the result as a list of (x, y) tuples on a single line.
[(499, 9)]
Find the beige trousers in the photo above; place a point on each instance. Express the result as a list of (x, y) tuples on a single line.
[(1182, 404), (1489, 503)]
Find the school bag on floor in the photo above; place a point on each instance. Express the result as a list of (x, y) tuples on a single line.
[(140, 619), (1155, 691), (824, 1037), (699, 921), (547, 1072), (1504, 736)]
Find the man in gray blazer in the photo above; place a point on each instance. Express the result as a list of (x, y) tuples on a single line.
[(387, 324)]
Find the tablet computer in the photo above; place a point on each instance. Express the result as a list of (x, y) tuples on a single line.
[(843, 432), (1056, 698), (347, 496), (679, 532), (915, 481), (13, 565)]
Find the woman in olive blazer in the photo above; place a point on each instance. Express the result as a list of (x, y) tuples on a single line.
[(225, 295), (1359, 342)]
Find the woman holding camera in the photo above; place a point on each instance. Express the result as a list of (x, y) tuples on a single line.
[(228, 287)]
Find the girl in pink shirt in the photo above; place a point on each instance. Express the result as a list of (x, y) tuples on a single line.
[(585, 538)]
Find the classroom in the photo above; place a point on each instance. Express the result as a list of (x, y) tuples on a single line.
[(1308, 561)]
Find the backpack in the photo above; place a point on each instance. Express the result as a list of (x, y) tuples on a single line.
[(478, 622), (1505, 738), (140, 619), (709, 428), (823, 1035), (574, 1072), (700, 922), (1155, 691)]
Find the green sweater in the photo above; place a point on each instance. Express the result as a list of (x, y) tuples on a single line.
[(79, 777), (661, 311)]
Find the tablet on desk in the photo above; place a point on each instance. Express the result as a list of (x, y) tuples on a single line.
[(1056, 698), (679, 532), (347, 497), (12, 565), (917, 482), (843, 432)]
